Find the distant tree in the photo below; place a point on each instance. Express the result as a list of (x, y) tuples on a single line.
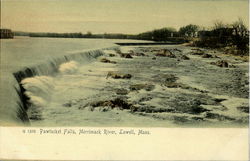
[(188, 30), (219, 24), (239, 27), (89, 34)]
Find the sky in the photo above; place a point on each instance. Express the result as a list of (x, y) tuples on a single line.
[(117, 16)]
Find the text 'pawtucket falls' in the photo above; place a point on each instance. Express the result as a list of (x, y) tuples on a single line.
[(66, 131)]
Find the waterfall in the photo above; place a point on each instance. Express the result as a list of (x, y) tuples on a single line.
[(35, 84)]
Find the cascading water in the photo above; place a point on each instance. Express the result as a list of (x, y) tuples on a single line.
[(36, 84)]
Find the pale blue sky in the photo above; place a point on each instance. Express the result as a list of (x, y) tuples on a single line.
[(116, 16)]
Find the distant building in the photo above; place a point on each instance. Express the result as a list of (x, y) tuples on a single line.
[(6, 34)]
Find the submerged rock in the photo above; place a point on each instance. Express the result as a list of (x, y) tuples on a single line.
[(243, 109), (116, 75), (165, 53), (175, 49), (207, 56), (197, 52), (121, 91), (147, 87), (221, 63), (126, 55), (112, 55), (116, 103), (184, 57), (105, 60), (220, 117)]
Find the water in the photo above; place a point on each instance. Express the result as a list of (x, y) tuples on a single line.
[(39, 58), (62, 82)]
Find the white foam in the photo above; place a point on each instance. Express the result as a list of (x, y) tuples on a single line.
[(38, 89), (69, 67)]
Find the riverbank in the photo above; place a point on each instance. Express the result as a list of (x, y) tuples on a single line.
[(150, 86)]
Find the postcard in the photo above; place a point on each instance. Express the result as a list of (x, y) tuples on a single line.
[(124, 80)]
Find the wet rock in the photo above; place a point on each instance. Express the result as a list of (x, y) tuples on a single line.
[(185, 104), (219, 100), (243, 109), (207, 56), (116, 103), (154, 58), (150, 109), (197, 52), (232, 66), (170, 81), (104, 109), (126, 55), (111, 55), (121, 91), (175, 49), (67, 104), (217, 116), (165, 53), (184, 57), (170, 78), (197, 110), (116, 75), (105, 60), (196, 49), (140, 54), (70, 103), (197, 118), (143, 99), (173, 85), (147, 87), (221, 63), (136, 53), (126, 76), (180, 119)]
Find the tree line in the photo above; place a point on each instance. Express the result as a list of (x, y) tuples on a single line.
[(220, 35)]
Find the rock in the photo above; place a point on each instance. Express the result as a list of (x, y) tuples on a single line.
[(126, 76), (67, 104), (116, 103), (219, 100), (221, 63), (121, 91), (207, 56), (170, 78), (105, 60), (147, 87), (197, 52), (136, 53), (175, 49), (111, 55), (243, 109), (165, 53), (139, 54), (154, 58), (196, 49), (180, 119), (149, 109), (116, 75), (184, 57), (104, 109), (217, 116), (173, 85), (126, 55)]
